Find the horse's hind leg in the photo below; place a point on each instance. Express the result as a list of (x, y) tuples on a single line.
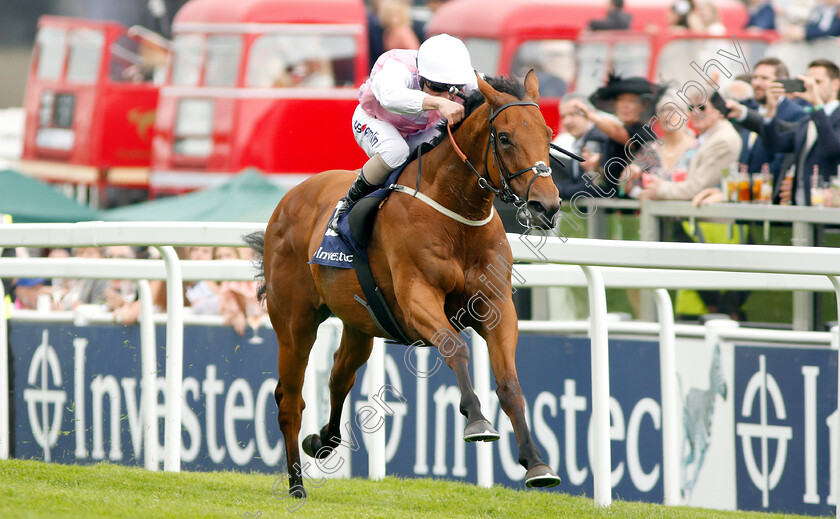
[(295, 337), (353, 351)]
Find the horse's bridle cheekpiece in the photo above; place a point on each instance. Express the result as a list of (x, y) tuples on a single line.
[(505, 193)]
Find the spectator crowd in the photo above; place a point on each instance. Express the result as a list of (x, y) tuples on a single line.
[(787, 129), (779, 136), (235, 301), (795, 20)]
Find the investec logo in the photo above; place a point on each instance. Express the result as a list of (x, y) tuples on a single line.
[(46, 400), (765, 473), (762, 384), (44, 373)]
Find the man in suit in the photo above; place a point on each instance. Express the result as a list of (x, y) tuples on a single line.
[(753, 153), (718, 145), (823, 20), (762, 15), (815, 140), (585, 139)]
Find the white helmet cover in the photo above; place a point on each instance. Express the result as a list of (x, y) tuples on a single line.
[(445, 59)]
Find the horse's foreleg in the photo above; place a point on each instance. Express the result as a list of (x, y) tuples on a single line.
[(501, 342), (425, 313), (352, 353)]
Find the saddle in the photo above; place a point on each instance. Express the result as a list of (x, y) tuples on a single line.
[(354, 230)]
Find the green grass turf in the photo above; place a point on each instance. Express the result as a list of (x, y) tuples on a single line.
[(37, 489)]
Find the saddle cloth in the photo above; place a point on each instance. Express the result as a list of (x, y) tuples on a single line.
[(349, 250), (338, 251)]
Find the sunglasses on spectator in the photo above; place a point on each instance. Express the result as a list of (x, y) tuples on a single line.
[(440, 87), (699, 107)]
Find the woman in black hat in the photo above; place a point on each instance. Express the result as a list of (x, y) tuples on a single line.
[(630, 99)]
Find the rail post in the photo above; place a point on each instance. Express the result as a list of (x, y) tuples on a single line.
[(5, 435), (670, 406), (481, 372), (376, 378), (174, 359), (148, 377), (835, 342), (599, 339)]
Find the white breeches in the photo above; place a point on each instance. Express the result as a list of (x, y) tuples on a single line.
[(375, 136)]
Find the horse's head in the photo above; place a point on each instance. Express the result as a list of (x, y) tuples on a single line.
[(520, 140)]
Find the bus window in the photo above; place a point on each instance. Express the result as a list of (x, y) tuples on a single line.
[(675, 58), (223, 55), (592, 67), (50, 44), (186, 59), (302, 60), (194, 128), (125, 60), (137, 61), (552, 60), (85, 55), (630, 59), (484, 54)]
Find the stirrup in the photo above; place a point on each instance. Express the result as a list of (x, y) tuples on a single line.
[(340, 208)]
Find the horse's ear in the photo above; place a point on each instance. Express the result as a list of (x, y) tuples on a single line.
[(532, 86), (484, 87)]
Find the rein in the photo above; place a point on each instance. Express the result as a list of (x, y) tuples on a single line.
[(505, 193)]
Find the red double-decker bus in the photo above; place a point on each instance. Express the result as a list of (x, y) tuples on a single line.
[(90, 102), (270, 84)]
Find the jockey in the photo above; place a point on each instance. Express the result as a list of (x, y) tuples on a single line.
[(408, 93)]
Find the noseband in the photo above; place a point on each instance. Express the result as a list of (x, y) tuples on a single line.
[(505, 193)]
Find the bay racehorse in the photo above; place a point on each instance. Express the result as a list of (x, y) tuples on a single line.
[(430, 266)]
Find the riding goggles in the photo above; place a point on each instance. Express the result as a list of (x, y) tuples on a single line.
[(439, 87)]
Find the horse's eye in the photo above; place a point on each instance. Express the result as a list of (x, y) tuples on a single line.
[(504, 139)]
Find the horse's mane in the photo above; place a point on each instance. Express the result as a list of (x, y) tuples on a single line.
[(506, 84)]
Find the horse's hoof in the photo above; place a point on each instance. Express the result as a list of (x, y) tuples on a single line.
[(541, 476), (480, 431), (298, 491), (313, 447)]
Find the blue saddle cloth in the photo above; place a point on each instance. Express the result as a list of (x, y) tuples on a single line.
[(338, 251)]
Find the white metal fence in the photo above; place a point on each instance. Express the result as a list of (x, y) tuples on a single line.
[(601, 263)]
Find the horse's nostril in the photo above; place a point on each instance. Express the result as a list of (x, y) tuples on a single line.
[(543, 217), (537, 207)]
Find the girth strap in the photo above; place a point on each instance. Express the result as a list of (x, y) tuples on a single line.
[(376, 305)]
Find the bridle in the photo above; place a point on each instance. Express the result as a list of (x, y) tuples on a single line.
[(505, 193)]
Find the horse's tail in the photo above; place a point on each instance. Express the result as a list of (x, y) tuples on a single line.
[(256, 241)]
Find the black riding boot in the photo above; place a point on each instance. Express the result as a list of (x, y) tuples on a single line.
[(359, 189)]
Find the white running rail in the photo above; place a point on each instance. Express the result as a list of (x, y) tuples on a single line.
[(655, 265)]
